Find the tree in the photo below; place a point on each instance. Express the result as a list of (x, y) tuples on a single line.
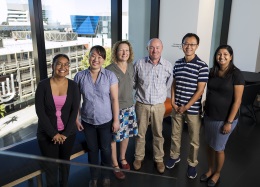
[(2, 110)]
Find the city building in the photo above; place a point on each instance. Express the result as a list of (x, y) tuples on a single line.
[(16, 55), (216, 22)]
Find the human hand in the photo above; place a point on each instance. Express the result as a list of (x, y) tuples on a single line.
[(63, 137), (58, 139), (182, 109), (226, 128), (79, 125), (175, 107), (115, 126)]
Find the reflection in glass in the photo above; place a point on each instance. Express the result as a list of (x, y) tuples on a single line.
[(17, 70), (22, 166), (62, 35), (76, 30), (125, 20)]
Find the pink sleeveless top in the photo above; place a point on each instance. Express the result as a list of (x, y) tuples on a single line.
[(59, 102)]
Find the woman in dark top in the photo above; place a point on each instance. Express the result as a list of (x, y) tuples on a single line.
[(224, 95), (57, 102)]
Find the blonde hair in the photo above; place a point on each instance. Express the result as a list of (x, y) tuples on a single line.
[(115, 48)]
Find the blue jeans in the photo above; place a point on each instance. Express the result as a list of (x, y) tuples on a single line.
[(98, 137)]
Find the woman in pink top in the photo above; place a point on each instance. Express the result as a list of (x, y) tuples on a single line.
[(57, 102)]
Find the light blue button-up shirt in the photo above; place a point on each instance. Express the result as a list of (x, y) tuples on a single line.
[(152, 81), (96, 107)]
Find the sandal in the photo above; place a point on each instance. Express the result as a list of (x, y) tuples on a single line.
[(125, 166), (118, 173)]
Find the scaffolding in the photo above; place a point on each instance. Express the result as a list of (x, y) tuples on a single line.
[(21, 65), (21, 35), (60, 36)]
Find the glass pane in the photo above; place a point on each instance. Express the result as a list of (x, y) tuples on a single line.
[(28, 170), (75, 30), (72, 32), (17, 75), (125, 19)]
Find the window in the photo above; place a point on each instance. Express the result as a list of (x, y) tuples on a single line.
[(16, 70), (62, 35)]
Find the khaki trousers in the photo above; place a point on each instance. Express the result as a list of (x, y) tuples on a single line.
[(194, 124), (146, 114)]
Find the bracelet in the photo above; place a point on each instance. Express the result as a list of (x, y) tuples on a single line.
[(229, 122)]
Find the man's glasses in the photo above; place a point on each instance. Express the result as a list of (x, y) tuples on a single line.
[(191, 45)]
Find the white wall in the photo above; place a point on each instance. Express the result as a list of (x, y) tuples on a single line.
[(176, 19), (205, 27), (180, 17), (258, 58), (244, 32)]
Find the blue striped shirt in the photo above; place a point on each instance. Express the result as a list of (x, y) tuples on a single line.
[(187, 76), (152, 81), (96, 107)]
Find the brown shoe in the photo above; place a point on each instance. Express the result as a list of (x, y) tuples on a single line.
[(118, 173), (125, 166), (106, 183), (92, 183), (160, 167), (137, 164)]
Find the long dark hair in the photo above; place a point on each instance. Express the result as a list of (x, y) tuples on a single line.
[(215, 69)]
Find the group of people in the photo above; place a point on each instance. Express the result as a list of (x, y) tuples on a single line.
[(110, 112)]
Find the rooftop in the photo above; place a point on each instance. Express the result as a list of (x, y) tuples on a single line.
[(12, 46)]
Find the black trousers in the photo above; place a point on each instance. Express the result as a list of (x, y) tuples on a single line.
[(56, 174), (98, 138)]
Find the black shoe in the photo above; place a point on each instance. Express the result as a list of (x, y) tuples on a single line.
[(212, 183), (106, 182), (204, 178), (93, 183), (191, 172)]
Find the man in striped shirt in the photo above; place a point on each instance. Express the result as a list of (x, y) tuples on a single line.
[(190, 77), (153, 77)]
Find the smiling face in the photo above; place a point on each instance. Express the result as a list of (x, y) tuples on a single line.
[(61, 67), (223, 57), (95, 60), (155, 49), (123, 52), (189, 46)]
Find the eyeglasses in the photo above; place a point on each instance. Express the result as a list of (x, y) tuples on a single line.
[(66, 65), (191, 45)]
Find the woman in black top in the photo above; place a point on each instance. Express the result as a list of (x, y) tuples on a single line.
[(224, 94), (57, 103)]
